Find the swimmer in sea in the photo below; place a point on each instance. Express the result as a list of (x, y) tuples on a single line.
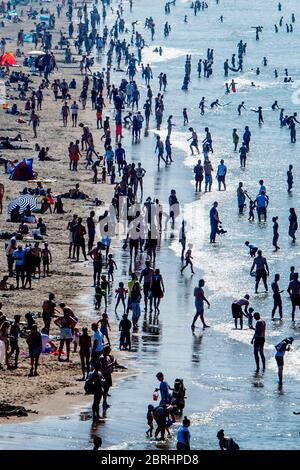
[(215, 103)]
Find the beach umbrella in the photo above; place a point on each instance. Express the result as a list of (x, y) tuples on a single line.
[(33, 53), (23, 201)]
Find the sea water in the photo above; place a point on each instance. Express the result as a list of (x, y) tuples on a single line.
[(217, 365)]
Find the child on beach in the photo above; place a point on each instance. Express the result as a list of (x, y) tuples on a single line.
[(105, 326), (121, 293), (188, 260), (185, 117), (113, 175), (76, 336), (101, 291), (111, 264), (150, 420), (251, 210), (46, 259), (249, 316), (104, 173)]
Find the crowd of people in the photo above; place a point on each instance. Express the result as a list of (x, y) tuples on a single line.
[(102, 156)]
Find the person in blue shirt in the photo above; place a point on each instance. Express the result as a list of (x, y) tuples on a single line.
[(184, 436), (262, 203), (19, 256), (164, 388), (247, 137)]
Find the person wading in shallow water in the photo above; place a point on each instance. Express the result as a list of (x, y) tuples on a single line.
[(199, 304), (262, 270), (258, 341)]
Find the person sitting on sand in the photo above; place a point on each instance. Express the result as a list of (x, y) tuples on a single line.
[(4, 284), (15, 215), (58, 206), (23, 228)]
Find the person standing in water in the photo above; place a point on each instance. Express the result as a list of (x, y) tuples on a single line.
[(185, 117), (198, 171), (262, 270), (276, 297), (258, 341), (221, 175), (290, 178), (240, 107), (293, 227), (294, 292), (275, 233), (281, 349), (199, 304), (214, 222), (260, 115), (243, 155), (182, 238), (235, 139)]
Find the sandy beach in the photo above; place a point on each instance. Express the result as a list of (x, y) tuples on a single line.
[(70, 281)]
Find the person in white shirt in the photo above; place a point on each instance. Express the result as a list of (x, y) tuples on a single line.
[(74, 113), (221, 174), (97, 343)]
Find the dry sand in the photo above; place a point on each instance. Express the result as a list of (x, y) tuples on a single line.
[(71, 282)]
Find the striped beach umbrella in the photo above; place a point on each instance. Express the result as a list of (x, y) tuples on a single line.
[(23, 201)]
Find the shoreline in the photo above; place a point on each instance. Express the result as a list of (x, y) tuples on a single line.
[(61, 406)]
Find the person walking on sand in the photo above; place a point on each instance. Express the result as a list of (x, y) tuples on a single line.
[(35, 121), (199, 304), (65, 112), (79, 241)]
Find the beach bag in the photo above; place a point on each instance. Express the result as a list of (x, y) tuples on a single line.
[(155, 396)]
